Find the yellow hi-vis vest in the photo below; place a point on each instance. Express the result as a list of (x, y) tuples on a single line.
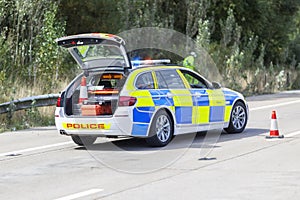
[(188, 62)]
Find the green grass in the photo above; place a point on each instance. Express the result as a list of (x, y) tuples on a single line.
[(32, 117)]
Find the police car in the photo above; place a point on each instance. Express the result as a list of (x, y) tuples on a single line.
[(112, 97)]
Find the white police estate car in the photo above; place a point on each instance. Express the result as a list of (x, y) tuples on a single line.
[(110, 98)]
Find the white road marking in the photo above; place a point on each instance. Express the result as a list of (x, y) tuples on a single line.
[(292, 134), (274, 105), (80, 194), (34, 149)]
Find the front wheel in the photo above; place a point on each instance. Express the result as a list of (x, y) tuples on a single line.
[(161, 130), (238, 118), (83, 140)]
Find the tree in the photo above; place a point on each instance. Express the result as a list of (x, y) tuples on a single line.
[(90, 16), (26, 26)]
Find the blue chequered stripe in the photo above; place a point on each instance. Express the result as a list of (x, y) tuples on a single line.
[(183, 114), (230, 96), (216, 114), (159, 98), (143, 114), (201, 100), (139, 129)]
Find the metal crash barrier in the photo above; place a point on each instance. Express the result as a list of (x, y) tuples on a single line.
[(29, 102)]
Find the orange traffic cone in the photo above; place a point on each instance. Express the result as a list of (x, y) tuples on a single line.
[(274, 132), (83, 91)]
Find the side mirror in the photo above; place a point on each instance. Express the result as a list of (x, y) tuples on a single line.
[(216, 85)]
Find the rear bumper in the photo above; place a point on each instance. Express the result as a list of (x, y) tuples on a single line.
[(91, 126), (96, 126)]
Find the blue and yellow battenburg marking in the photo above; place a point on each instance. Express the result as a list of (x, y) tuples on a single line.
[(183, 104), (230, 97), (217, 105), (142, 112), (195, 106), (200, 106), (189, 106)]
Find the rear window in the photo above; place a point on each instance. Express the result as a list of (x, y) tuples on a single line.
[(144, 81), (169, 79), (93, 52)]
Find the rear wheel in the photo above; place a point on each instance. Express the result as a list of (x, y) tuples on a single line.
[(161, 130), (83, 140), (238, 118)]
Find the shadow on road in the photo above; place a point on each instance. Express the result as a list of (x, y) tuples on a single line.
[(199, 140)]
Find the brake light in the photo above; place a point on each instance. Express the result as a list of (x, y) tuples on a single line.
[(126, 101), (58, 102)]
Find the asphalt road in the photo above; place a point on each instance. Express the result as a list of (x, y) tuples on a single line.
[(41, 164)]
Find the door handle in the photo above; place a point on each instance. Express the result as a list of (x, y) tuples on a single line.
[(170, 95), (197, 94)]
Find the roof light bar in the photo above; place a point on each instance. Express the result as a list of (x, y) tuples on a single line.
[(150, 62)]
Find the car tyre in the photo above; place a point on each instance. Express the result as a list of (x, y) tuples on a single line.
[(83, 140), (161, 130), (238, 118)]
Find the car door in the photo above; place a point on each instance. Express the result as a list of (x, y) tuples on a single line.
[(200, 95), (172, 92), (209, 102), (217, 105)]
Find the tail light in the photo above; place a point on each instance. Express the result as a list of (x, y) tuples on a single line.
[(126, 101), (58, 102)]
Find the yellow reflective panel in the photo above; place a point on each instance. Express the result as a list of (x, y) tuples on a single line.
[(172, 108), (216, 97), (144, 98), (227, 113), (182, 97), (195, 115), (130, 81), (200, 115)]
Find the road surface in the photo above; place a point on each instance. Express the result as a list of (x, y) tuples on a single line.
[(41, 164)]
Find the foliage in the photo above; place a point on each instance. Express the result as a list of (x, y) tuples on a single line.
[(29, 56), (28, 32), (242, 57), (90, 16), (268, 23), (48, 60)]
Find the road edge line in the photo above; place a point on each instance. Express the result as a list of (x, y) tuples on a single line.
[(34, 149), (81, 194), (274, 105)]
